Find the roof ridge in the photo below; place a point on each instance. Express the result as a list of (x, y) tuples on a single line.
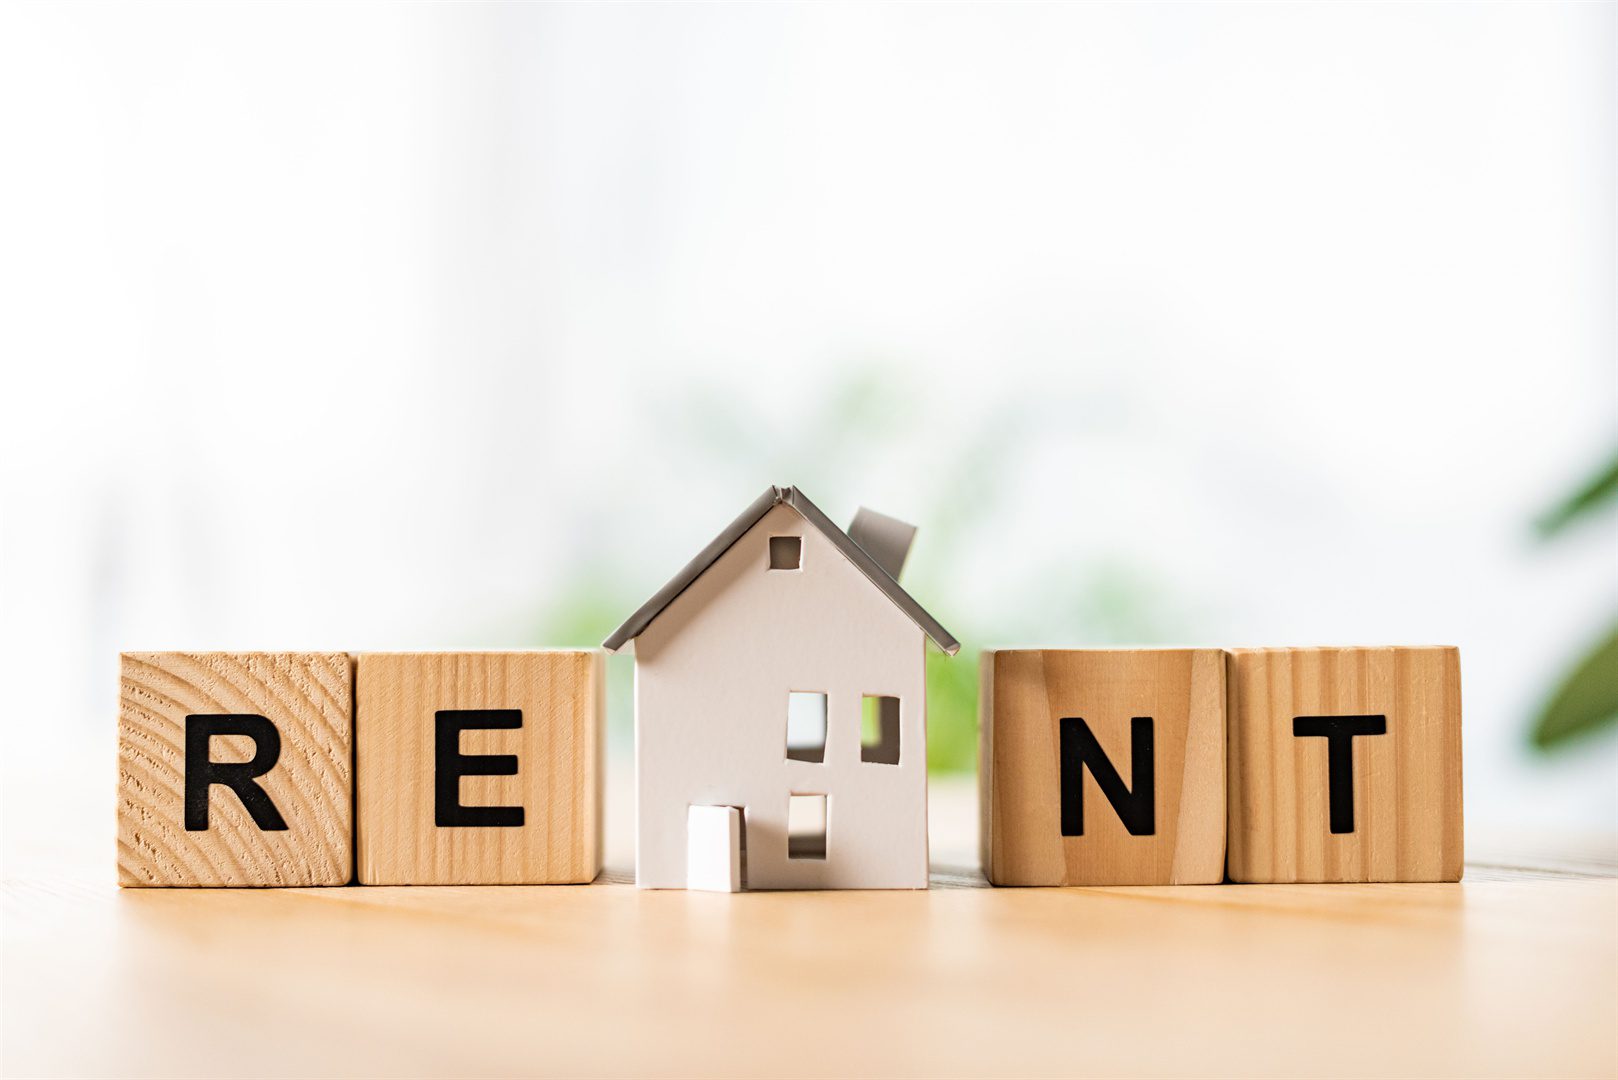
[(795, 498)]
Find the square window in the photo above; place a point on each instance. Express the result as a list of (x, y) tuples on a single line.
[(806, 726), (806, 827), (786, 552), (879, 729)]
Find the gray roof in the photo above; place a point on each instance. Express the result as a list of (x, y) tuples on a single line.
[(649, 611)]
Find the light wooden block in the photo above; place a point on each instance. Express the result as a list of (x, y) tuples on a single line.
[(513, 797), (234, 768), (1402, 821), (1032, 799)]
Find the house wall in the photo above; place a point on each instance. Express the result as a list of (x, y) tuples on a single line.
[(712, 675)]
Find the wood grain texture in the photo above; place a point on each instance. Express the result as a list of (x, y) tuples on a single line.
[(1026, 693), (307, 697), (1512, 973), (561, 695), (1407, 782)]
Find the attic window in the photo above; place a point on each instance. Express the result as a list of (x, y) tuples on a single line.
[(786, 552), (806, 827), (806, 726), (879, 729)]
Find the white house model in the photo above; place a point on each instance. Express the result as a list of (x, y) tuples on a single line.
[(780, 708)]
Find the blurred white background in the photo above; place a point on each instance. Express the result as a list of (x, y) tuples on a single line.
[(426, 326)]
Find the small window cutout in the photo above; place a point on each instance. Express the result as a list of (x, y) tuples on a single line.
[(806, 827), (786, 552), (879, 729), (806, 727)]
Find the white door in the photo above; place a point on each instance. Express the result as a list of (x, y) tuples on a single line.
[(713, 848)]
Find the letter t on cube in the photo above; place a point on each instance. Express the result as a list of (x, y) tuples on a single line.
[(1345, 764)]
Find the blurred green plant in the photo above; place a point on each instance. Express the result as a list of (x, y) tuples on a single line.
[(952, 711), (1595, 492), (588, 608), (1586, 699)]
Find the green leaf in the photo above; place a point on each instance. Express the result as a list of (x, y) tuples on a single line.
[(1599, 489), (952, 711), (1587, 699)]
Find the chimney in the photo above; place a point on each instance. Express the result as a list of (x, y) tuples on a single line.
[(885, 539)]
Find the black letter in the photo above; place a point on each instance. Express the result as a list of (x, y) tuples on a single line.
[(201, 773), (1339, 732), (452, 765), (1136, 805)]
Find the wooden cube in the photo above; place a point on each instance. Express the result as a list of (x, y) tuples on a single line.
[(479, 767), (1345, 764), (1103, 766), (234, 768)]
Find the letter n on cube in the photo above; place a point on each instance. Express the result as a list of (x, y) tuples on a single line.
[(1103, 766)]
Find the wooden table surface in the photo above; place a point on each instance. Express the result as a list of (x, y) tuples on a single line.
[(1512, 972)]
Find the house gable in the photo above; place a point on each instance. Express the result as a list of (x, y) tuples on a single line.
[(739, 606), (860, 560)]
